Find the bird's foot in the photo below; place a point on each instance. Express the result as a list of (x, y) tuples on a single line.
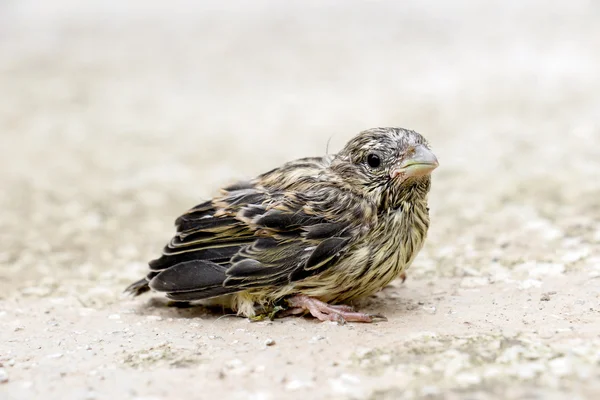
[(403, 276), (300, 304)]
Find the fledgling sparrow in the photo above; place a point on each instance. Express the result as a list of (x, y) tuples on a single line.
[(308, 236)]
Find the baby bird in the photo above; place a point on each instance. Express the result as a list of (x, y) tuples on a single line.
[(308, 236)]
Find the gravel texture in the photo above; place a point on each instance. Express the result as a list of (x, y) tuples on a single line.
[(117, 116)]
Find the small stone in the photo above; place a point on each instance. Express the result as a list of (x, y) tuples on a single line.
[(269, 342), (11, 362), (114, 316), (3, 376), (55, 355), (154, 318)]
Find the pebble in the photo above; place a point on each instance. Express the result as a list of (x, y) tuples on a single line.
[(114, 316), (55, 355), (154, 318), (269, 342), (3, 376)]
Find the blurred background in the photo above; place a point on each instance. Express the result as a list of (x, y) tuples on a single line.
[(117, 116)]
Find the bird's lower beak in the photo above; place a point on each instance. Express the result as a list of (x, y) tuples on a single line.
[(421, 162)]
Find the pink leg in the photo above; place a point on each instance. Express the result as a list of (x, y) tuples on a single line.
[(325, 312), (291, 311)]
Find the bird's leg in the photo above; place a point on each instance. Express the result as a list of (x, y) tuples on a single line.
[(325, 312), (291, 311), (303, 310), (341, 307)]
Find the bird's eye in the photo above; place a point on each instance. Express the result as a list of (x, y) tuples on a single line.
[(373, 160)]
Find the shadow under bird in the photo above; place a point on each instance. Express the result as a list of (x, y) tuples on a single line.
[(307, 237)]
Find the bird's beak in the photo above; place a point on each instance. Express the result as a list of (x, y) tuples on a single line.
[(420, 162)]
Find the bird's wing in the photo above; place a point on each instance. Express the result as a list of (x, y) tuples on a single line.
[(252, 237)]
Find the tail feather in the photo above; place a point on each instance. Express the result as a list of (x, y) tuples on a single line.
[(138, 287)]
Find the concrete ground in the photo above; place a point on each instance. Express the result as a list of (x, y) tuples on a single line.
[(115, 117)]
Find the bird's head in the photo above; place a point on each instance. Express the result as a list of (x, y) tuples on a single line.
[(388, 165)]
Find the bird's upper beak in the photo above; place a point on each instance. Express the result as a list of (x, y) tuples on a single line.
[(420, 162)]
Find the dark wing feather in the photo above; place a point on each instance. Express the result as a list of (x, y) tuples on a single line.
[(302, 238), (254, 236)]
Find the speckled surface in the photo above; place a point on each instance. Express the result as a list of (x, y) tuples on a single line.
[(117, 116)]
